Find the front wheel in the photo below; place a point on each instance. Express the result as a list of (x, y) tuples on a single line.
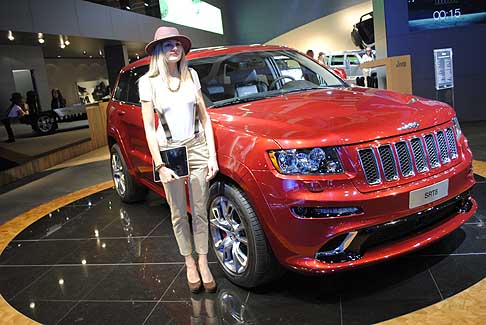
[(237, 238), (44, 123)]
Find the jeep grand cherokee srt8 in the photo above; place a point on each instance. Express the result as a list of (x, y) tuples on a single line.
[(315, 175)]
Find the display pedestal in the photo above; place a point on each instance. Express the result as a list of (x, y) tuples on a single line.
[(97, 124), (398, 72)]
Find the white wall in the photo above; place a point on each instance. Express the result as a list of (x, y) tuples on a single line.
[(65, 73), (19, 58), (330, 33)]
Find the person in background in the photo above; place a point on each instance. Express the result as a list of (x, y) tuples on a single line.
[(310, 53), (57, 100), (15, 110), (368, 57), (31, 102), (322, 58)]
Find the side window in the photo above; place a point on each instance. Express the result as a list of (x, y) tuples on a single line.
[(289, 67), (135, 74), (353, 60), (337, 60), (121, 90)]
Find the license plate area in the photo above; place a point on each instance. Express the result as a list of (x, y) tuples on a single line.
[(428, 194)]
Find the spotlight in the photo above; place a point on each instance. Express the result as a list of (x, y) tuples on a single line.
[(90, 56), (100, 52), (128, 7), (10, 36), (62, 46), (145, 4), (84, 52), (66, 41), (40, 37), (138, 57)]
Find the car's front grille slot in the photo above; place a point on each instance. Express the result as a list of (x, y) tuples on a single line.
[(388, 162), (444, 153), (451, 140), (419, 155), (415, 154), (431, 150), (404, 158), (370, 167)]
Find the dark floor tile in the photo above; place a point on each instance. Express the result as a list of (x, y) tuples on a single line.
[(66, 283), (44, 312), (179, 290), (15, 279), (135, 282), (38, 252), (137, 220), (479, 194), (97, 251), (454, 274), (95, 218), (406, 278), (51, 223), (374, 311), (173, 313), (108, 313), (152, 250), (95, 198), (479, 178)]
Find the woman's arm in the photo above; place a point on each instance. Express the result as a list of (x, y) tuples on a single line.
[(208, 131), (166, 174)]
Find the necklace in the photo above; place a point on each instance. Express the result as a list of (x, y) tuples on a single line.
[(177, 88)]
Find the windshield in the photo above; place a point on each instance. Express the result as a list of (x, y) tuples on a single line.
[(247, 76)]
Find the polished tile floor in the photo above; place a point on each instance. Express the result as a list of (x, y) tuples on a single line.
[(100, 261)]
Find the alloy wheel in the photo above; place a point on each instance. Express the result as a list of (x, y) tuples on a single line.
[(45, 123), (118, 174), (228, 234)]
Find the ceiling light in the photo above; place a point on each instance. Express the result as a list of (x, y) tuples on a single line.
[(40, 37), (10, 35), (84, 52), (58, 56), (145, 4), (138, 57), (66, 40), (128, 7), (90, 56), (100, 52)]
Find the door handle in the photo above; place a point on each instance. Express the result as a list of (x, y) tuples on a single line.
[(121, 112)]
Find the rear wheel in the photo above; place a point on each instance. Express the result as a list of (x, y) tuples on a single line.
[(125, 185), (238, 239)]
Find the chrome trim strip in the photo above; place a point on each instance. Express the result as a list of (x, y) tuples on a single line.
[(342, 247)]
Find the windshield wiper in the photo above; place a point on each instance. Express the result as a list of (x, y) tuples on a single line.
[(237, 100)]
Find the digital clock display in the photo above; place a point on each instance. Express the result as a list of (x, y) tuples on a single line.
[(432, 14)]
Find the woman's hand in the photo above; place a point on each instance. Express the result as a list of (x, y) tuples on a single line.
[(212, 168), (167, 175)]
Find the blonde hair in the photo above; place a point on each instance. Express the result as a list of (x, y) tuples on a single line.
[(159, 66)]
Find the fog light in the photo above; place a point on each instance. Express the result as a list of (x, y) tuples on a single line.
[(321, 212)]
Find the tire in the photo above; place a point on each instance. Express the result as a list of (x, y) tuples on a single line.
[(125, 185), (237, 238), (44, 123)]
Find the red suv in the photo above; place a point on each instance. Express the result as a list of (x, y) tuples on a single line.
[(315, 174)]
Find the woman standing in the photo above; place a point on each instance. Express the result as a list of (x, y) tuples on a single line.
[(14, 110), (57, 100), (174, 91)]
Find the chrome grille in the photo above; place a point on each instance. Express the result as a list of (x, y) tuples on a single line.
[(404, 158), (444, 154), (413, 155), (388, 162), (432, 150), (451, 141), (370, 168), (419, 155)]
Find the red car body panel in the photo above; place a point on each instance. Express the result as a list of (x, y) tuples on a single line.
[(351, 118)]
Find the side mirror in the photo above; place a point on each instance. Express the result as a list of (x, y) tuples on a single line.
[(340, 72)]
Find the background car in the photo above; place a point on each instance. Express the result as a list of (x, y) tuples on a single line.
[(315, 175)]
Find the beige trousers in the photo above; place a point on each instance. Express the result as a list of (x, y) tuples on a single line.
[(175, 191)]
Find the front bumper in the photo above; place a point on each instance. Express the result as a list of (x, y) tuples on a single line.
[(296, 242)]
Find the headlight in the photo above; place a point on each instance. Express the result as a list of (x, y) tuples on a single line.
[(306, 161), (457, 127)]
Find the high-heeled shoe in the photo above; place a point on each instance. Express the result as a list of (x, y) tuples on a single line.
[(194, 287), (210, 287)]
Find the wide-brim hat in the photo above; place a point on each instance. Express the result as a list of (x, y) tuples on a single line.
[(164, 33)]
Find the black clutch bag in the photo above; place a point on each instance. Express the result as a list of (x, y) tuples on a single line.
[(175, 159)]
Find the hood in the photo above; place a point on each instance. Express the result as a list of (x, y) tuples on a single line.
[(329, 117)]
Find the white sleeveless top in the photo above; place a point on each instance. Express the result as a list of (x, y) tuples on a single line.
[(177, 107)]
